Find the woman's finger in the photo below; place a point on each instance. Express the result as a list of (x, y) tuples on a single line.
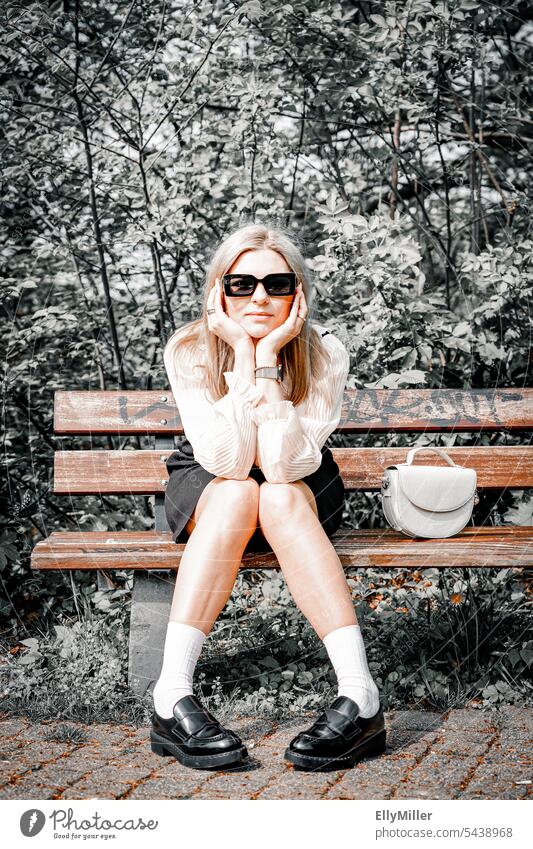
[(295, 305), (211, 301), (218, 297), (222, 298), (304, 302), (212, 293), (301, 307)]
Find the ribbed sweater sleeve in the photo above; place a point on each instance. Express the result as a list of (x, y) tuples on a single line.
[(222, 434), (289, 438)]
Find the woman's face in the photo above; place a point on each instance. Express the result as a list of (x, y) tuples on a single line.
[(259, 262)]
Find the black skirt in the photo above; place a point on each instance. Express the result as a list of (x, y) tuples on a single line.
[(187, 480)]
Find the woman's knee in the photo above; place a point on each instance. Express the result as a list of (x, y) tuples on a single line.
[(277, 501), (229, 497)]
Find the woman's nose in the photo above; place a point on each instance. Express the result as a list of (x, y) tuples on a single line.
[(260, 293)]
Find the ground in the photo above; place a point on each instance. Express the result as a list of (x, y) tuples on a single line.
[(460, 754)]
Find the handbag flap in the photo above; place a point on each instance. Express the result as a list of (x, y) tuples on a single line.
[(437, 488)]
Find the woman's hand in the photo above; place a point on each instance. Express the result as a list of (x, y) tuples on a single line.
[(269, 346), (221, 324)]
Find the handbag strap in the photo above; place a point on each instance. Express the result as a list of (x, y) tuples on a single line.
[(439, 451)]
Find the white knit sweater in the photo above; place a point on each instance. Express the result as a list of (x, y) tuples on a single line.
[(228, 435)]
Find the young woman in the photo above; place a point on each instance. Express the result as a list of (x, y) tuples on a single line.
[(252, 474)]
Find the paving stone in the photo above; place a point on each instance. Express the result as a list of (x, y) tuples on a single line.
[(492, 787), (451, 758), (373, 778), (499, 781), (30, 756), (105, 734), (517, 736), (437, 776), (251, 727), (468, 719), (270, 772), (419, 720), (176, 782), (9, 747), (462, 745), (169, 779), (515, 716), (464, 753), (62, 771), (412, 742), (297, 784), (90, 757), (247, 780), (116, 777), (35, 791), (509, 755), (13, 726), (32, 732)]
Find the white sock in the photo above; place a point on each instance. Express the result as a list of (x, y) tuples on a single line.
[(346, 651), (183, 644)]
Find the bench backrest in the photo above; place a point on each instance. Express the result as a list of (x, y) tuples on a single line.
[(365, 411)]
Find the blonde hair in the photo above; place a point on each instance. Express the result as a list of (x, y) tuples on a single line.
[(302, 358)]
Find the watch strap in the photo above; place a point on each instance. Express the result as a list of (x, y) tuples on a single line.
[(275, 372)]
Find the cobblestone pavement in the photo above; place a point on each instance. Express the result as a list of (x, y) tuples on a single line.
[(461, 754)]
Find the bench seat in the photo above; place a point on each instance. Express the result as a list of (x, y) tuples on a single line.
[(491, 547)]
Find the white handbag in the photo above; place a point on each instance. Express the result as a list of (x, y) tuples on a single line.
[(428, 501)]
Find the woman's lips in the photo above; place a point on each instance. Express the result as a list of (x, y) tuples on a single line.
[(257, 315)]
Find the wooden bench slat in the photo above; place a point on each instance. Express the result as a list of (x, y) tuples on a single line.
[(144, 472), (364, 411), (485, 547)]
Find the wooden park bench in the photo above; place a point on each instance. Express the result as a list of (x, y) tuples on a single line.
[(153, 554)]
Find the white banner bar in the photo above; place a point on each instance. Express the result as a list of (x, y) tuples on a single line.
[(264, 824)]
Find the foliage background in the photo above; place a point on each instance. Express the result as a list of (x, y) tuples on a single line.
[(394, 140)]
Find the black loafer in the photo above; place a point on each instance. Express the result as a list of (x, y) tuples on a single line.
[(338, 738), (195, 737)]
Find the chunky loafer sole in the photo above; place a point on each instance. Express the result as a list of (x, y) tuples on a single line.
[(370, 747), (166, 748)]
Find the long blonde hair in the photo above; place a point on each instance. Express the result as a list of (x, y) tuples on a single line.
[(303, 357)]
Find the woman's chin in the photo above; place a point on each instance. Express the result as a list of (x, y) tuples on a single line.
[(256, 329)]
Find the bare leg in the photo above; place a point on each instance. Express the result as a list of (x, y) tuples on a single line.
[(316, 579), (224, 520), (289, 520)]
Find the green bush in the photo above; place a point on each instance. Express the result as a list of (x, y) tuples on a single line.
[(434, 640), (78, 671)]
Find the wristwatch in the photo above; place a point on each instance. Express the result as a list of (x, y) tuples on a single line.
[(275, 372)]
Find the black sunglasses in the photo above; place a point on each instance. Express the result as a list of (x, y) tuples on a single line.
[(243, 285)]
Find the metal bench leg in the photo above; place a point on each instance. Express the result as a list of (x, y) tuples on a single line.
[(150, 609), (151, 601)]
